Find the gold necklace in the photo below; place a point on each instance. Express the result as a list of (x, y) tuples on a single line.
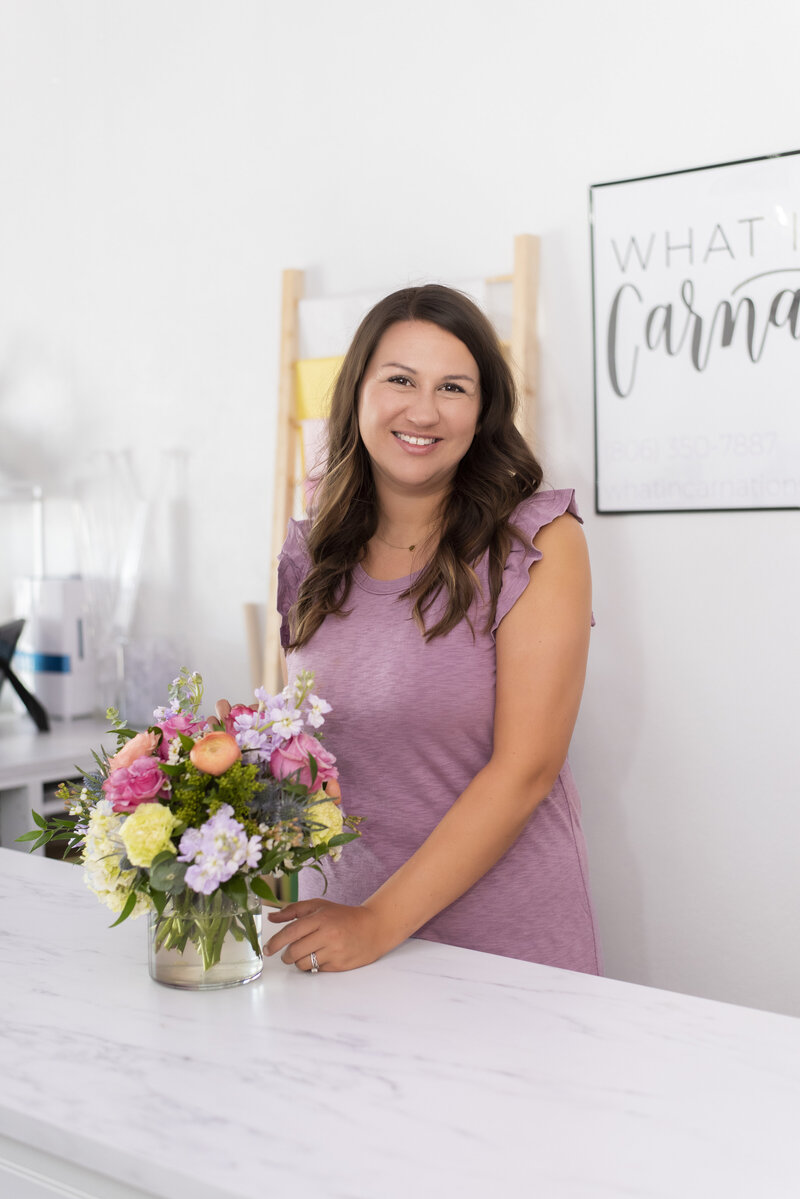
[(410, 548), (391, 545)]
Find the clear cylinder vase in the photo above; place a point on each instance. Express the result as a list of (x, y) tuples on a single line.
[(203, 942)]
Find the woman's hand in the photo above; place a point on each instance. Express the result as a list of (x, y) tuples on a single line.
[(341, 937)]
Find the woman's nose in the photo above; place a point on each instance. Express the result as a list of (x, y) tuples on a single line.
[(423, 407)]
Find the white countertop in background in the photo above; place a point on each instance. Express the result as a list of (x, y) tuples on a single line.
[(436, 1071), (26, 753)]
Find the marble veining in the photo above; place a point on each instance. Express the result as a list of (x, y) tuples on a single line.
[(435, 1071)]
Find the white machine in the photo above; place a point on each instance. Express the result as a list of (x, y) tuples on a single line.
[(54, 657)]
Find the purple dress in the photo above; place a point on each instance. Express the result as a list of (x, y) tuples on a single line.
[(411, 725)]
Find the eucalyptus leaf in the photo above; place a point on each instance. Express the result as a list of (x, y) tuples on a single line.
[(164, 856), (168, 874)]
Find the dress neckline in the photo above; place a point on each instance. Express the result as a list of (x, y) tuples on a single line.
[(381, 586)]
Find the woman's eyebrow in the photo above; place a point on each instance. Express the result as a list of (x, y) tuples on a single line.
[(399, 366), (410, 370)]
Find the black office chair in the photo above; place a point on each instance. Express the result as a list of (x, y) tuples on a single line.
[(9, 636)]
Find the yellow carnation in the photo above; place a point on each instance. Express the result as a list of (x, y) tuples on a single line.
[(329, 815), (147, 832)]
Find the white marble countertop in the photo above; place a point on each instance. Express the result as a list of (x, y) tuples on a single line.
[(436, 1071)]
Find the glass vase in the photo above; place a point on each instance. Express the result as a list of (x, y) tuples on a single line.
[(203, 942)]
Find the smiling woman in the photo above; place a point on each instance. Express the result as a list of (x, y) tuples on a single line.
[(446, 603), (418, 408)]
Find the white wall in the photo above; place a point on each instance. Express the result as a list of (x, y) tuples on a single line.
[(160, 163)]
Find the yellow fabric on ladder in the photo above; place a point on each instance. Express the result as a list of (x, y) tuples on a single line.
[(315, 378)]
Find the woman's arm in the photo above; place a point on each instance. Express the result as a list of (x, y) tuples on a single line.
[(542, 647)]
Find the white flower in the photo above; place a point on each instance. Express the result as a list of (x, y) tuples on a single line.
[(174, 755), (286, 723), (102, 854), (163, 713), (77, 807), (319, 708)]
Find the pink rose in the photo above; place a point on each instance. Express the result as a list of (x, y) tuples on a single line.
[(174, 725), (140, 746), (129, 786), (292, 756), (236, 710)]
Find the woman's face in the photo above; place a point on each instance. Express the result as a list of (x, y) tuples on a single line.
[(418, 407)]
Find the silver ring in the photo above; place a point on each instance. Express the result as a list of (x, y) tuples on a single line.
[(314, 964)]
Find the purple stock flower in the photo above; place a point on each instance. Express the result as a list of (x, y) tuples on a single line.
[(254, 736), (217, 850)]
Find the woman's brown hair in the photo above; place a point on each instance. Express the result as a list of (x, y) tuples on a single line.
[(495, 474)]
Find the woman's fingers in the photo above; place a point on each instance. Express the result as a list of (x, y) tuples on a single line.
[(346, 936), (299, 952), (302, 926), (222, 709), (292, 911)]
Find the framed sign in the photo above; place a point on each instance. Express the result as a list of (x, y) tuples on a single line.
[(696, 300)]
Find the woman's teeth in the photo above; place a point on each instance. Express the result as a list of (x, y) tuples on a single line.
[(416, 440)]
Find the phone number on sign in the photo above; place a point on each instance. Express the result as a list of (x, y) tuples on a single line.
[(698, 445)]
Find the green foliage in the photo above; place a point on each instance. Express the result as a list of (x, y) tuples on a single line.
[(341, 839), (55, 828), (263, 890), (130, 904), (189, 791), (186, 691), (236, 787), (196, 796), (205, 920), (236, 889), (167, 873)]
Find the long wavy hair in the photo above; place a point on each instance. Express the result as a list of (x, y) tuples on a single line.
[(495, 474)]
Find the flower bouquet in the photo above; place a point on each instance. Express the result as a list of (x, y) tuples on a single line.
[(186, 818)]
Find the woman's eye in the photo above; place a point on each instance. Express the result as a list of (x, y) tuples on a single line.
[(453, 387), (400, 379)]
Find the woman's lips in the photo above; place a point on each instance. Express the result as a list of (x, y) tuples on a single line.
[(413, 443)]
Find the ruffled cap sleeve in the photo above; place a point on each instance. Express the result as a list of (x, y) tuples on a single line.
[(529, 517), (293, 563)]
